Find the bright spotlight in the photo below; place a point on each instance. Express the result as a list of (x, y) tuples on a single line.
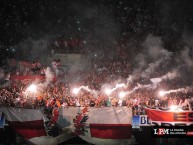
[(162, 93), (122, 94), (173, 108), (76, 90), (32, 88), (108, 91)]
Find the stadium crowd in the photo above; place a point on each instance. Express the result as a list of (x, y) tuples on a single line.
[(104, 71)]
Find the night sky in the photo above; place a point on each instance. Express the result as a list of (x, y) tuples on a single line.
[(102, 21)]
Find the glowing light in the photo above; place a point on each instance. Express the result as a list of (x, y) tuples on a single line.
[(32, 88), (76, 90), (173, 108), (162, 93), (120, 85), (108, 91), (17, 99), (122, 94)]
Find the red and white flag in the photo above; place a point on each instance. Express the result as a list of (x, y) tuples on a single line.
[(170, 117), (29, 123), (107, 125)]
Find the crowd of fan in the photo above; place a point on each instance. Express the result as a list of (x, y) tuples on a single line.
[(60, 94)]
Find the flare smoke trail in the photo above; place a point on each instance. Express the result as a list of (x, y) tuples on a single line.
[(153, 66), (87, 89), (130, 79), (154, 81), (122, 85), (187, 89), (118, 86), (96, 92), (169, 76), (139, 86), (153, 58), (49, 77), (108, 89)]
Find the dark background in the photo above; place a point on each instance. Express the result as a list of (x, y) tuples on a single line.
[(98, 22)]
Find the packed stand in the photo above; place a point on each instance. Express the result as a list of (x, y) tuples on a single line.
[(105, 70)]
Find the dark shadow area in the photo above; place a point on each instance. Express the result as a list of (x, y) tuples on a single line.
[(75, 141), (7, 136), (143, 137)]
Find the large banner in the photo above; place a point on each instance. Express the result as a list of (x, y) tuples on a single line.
[(29, 123), (107, 125), (169, 117)]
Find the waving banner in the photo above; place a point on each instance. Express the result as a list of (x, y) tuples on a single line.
[(108, 125), (169, 117), (27, 122)]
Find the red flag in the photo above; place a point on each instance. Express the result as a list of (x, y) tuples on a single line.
[(27, 122), (169, 115), (107, 125)]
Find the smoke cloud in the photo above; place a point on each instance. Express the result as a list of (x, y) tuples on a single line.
[(49, 78), (32, 49), (168, 76)]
